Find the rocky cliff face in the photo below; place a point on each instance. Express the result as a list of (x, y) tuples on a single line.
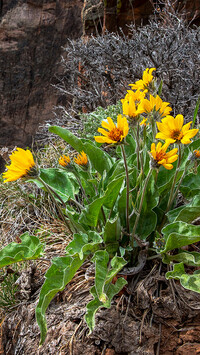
[(32, 33)]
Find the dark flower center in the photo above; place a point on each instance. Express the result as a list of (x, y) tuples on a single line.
[(116, 134), (177, 134)]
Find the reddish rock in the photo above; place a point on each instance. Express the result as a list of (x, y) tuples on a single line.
[(32, 33), (188, 348)]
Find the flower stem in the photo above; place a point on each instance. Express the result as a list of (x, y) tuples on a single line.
[(127, 188), (52, 193), (81, 187), (171, 198), (180, 181), (140, 207), (136, 134), (153, 126), (172, 193)]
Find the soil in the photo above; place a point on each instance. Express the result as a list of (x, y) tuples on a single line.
[(150, 316)]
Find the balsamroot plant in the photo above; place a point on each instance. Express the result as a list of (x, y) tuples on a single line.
[(121, 208), (97, 70)]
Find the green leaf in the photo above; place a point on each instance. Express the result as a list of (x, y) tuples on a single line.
[(117, 263), (59, 181), (68, 137), (112, 191), (186, 213), (92, 307), (151, 197), (91, 213), (121, 206), (116, 170), (195, 112), (130, 146), (29, 249), (101, 259), (148, 218), (179, 234), (57, 277), (190, 185), (62, 271), (112, 230), (83, 243), (99, 159), (105, 274), (172, 215), (74, 221), (164, 179), (188, 281), (147, 224), (187, 257)]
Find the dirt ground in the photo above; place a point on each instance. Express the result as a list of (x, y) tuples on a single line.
[(150, 316)]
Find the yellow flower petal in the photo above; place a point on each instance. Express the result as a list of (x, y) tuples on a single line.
[(22, 163), (179, 122), (114, 134)]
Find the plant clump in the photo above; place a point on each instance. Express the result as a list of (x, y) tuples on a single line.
[(120, 207)]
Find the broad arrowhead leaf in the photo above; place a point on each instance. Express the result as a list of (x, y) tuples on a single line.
[(101, 259), (112, 230), (103, 273), (68, 137), (91, 213), (57, 277), (148, 218), (186, 257), (188, 281), (190, 185), (147, 224), (112, 191), (186, 213), (62, 271), (92, 307), (117, 263), (84, 243), (60, 181), (29, 249), (179, 234)]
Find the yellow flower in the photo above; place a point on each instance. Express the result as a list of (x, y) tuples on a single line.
[(64, 160), (137, 95), (143, 122), (172, 130), (22, 165), (129, 105), (146, 80), (160, 157), (81, 159), (157, 104), (114, 134)]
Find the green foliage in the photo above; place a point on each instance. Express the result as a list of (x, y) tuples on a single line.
[(104, 290), (29, 249), (63, 184), (116, 204), (8, 290), (92, 121), (179, 234), (190, 282), (62, 271)]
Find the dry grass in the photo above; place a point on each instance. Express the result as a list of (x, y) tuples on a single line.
[(25, 207)]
